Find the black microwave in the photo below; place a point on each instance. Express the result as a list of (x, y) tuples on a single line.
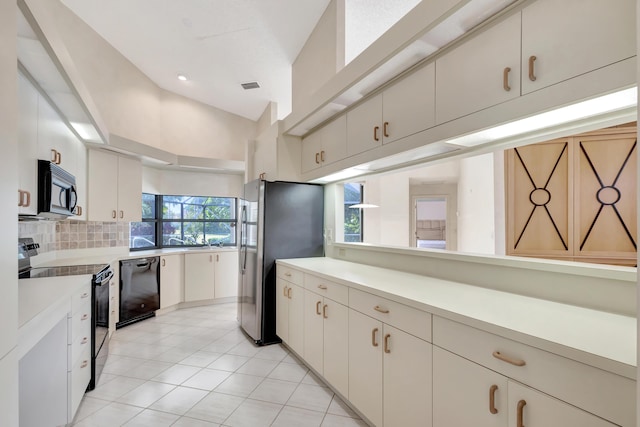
[(57, 196)]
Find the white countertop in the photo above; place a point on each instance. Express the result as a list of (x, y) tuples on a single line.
[(597, 338), (97, 256), (42, 303)]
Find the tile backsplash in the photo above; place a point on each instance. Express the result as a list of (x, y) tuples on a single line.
[(73, 234)]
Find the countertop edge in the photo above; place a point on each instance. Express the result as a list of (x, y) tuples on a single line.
[(592, 359)]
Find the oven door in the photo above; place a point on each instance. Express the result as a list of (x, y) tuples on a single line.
[(100, 320)]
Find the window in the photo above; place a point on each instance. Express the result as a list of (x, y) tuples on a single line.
[(176, 221), (143, 234), (353, 194)]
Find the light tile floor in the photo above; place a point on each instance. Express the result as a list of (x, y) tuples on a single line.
[(194, 367)]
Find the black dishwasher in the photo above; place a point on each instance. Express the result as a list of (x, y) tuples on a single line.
[(139, 289)]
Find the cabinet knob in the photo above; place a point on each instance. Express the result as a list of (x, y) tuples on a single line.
[(24, 198), (289, 293), (164, 262), (323, 287), (324, 311), (84, 340), (317, 160), (318, 308), (375, 133), (285, 291), (492, 399), (85, 295), (505, 79), (217, 258), (78, 210), (322, 156), (387, 348), (113, 214), (84, 364), (54, 155), (385, 129), (121, 214), (210, 258), (84, 317), (532, 72)]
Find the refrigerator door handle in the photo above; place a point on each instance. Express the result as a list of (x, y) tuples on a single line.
[(243, 231)]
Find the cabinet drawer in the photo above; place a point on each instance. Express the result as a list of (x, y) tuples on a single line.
[(607, 395), (80, 298), (79, 377), (78, 347), (80, 323), (326, 288), (408, 319), (290, 275)]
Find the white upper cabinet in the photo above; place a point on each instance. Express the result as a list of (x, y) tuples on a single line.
[(482, 72), (364, 126), (405, 108), (325, 146), (114, 187), (563, 39), (27, 147), (408, 106)]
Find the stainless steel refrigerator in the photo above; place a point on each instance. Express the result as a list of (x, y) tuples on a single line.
[(278, 220)]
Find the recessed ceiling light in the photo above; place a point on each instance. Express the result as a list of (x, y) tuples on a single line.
[(182, 77)]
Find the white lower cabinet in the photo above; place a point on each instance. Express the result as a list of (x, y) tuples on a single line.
[(290, 314), (389, 373), (171, 280), (210, 275), (198, 277), (326, 339), (467, 394)]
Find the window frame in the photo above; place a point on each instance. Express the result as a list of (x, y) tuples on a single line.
[(360, 213), (159, 222)]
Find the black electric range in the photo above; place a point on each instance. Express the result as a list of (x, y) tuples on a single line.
[(101, 275)]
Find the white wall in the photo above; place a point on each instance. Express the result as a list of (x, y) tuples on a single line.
[(322, 55), (159, 181), (131, 105), (476, 214), (8, 215), (366, 20)]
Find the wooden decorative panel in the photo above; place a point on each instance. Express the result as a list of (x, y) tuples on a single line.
[(538, 197), (575, 198)]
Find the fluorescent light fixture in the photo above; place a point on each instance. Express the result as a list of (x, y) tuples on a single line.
[(363, 206), (87, 132), (339, 176), (582, 110), (182, 77)]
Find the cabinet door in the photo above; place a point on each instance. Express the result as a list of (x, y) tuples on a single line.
[(336, 345), (296, 318), (334, 141), (226, 274), (538, 409), (313, 331), (573, 37), (81, 180), (364, 126), (365, 365), (408, 106), (198, 277), (28, 143), (462, 393), (407, 381), (311, 148), (129, 189), (472, 76), (102, 186), (282, 310), (171, 273), (605, 196)]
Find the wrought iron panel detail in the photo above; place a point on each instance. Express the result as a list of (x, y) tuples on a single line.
[(540, 197), (608, 195)]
